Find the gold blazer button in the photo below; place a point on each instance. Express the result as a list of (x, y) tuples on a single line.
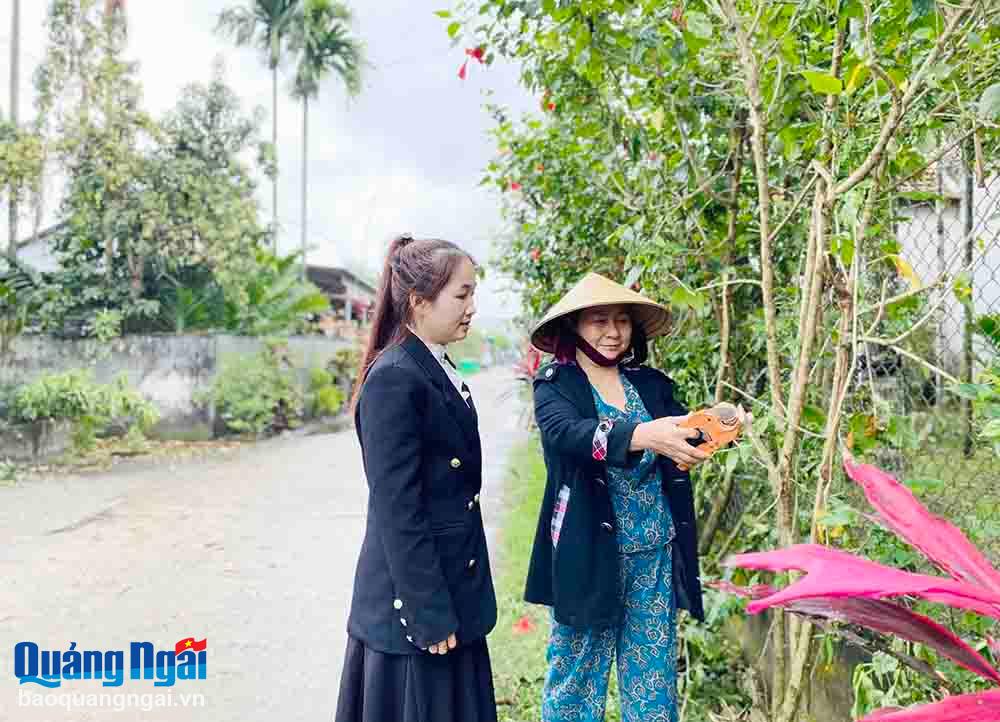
[(455, 463)]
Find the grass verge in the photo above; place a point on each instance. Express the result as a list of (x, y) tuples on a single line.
[(517, 646)]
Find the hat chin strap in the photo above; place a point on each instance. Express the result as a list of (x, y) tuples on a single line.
[(596, 356)]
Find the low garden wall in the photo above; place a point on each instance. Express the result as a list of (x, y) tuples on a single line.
[(168, 370)]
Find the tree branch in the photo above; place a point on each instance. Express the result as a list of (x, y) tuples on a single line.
[(693, 162), (904, 296), (759, 145), (795, 208), (737, 282), (901, 105), (934, 159), (734, 209), (913, 357)]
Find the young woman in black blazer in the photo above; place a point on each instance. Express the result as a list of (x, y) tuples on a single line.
[(423, 595)]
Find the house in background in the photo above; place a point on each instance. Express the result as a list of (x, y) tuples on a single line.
[(351, 298), (931, 229), (36, 251)]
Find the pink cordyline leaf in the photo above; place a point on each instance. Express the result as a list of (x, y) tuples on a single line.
[(979, 707), (833, 573), (757, 591), (994, 645), (896, 620), (886, 617), (937, 539)]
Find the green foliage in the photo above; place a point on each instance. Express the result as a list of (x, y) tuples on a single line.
[(630, 170), (145, 200), (985, 396), (519, 670), (985, 392), (319, 377), (262, 24), (21, 295), (250, 390), (325, 398), (74, 396), (321, 37), (329, 400), (8, 472), (274, 298), (501, 342), (344, 367), (22, 162), (107, 325), (471, 347)]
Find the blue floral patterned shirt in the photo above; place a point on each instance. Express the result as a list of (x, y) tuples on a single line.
[(641, 510)]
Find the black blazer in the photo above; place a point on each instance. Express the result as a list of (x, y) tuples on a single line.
[(424, 569), (580, 580)]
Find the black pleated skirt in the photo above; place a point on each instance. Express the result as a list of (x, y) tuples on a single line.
[(380, 687)]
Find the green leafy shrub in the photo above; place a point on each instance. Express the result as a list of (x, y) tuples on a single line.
[(325, 398), (74, 396), (254, 394), (319, 377), (344, 367), (989, 406), (328, 401)]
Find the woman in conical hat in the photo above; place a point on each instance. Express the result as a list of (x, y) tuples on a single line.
[(615, 552)]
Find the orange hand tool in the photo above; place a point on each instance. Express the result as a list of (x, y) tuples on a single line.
[(716, 426)]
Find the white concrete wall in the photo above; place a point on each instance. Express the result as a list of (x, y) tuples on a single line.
[(38, 256), (919, 239), (168, 370)]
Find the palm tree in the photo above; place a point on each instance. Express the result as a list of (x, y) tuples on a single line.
[(324, 44), (264, 24)]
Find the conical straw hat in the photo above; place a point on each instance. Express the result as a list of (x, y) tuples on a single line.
[(596, 290)]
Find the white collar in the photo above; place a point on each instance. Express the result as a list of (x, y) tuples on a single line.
[(437, 350)]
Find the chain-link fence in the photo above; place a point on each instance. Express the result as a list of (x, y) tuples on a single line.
[(947, 225)]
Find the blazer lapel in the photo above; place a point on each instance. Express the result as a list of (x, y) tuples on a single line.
[(579, 390), (465, 414)]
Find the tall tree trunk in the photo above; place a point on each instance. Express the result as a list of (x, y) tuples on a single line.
[(305, 180), (274, 145), (110, 129), (15, 77)]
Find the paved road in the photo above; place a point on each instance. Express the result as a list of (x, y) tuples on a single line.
[(254, 551)]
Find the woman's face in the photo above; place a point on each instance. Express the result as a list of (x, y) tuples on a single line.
[(606, 328), (448, 317)]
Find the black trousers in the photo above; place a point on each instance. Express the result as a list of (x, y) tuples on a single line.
[(380, 687)]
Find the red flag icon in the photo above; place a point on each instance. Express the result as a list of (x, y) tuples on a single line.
[(189, 643)]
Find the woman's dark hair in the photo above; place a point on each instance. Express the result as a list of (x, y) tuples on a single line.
[(565, 344), (421, 267)]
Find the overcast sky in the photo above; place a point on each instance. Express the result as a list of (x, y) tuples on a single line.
[(407, 155)]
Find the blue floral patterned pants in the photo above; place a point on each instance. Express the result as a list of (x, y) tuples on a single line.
[(644, 645)]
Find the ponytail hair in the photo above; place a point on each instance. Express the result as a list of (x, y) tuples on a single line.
[(413, 267)]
